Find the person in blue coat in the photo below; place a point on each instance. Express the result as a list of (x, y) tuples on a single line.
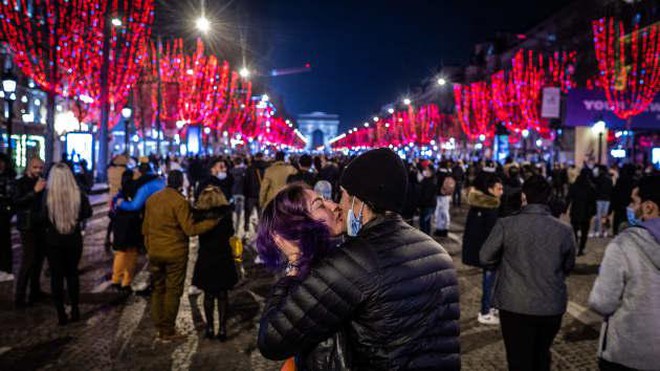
[(148, 184), (129, 213)]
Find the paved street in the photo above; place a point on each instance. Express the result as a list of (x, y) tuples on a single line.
[(117, 332)]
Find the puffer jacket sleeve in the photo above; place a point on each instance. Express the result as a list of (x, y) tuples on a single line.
[(142, 195), (302, 312), (606, 295)]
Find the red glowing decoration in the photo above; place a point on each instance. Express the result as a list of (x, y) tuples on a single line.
[(473, 109), (54, 42), (629, 65), (59, 44), (529, 79), (422, 127)]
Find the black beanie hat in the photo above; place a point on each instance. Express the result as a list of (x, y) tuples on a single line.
[(379, 178)]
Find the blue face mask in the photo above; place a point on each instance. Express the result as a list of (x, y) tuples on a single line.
[(354, 223), (632, 218)]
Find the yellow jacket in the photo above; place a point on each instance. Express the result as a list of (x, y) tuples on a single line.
[(274, 180), (168, 222)]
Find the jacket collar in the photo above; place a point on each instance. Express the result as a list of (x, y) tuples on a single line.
[(380, 220), (536, 209)]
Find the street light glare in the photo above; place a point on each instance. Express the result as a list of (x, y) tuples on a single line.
[(442, 81), (116, 22), (203, 24), (244, 72), (407, 101)]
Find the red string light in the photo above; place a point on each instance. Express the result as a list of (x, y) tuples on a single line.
[(629, 65), (473, 109), (54, 42)]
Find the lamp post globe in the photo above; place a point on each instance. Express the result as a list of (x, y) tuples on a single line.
[(9, 83)]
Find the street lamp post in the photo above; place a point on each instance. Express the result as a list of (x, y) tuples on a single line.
[(9, 89), (599, 128), (126, 113)]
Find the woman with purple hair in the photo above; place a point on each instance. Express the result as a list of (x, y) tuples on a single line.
[(297, 228)]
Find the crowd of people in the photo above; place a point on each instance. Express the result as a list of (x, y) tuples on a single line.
[(358, 286)]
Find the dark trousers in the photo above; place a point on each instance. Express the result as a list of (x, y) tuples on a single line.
[(527, 340), (5, 243), (487, 281), (32, 261), (250, 204), (605, 365), (458, 194), (425, 216), (222, 298), (168, 276), (63, 261), (619, 218), (583, 227)]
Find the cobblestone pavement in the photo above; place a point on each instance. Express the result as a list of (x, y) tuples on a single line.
[(116, 332)]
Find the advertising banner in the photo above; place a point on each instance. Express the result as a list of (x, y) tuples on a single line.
[(551, 107), (584, 107)]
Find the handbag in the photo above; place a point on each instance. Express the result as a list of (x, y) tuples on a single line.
[(236, 245)]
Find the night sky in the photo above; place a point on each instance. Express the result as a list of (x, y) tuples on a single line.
[(364, 53)]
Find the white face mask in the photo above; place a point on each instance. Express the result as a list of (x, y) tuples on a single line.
[(222, 175), (354, 223)]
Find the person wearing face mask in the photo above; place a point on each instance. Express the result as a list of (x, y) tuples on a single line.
[(627, 290), (391, 287), (218, 177)]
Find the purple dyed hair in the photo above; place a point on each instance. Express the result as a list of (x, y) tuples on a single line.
[(287, 216)]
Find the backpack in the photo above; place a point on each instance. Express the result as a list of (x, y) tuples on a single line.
[(448, 186)]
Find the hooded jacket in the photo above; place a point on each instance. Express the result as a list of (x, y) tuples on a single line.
[(392, 287), (627, 293), (480, 221)]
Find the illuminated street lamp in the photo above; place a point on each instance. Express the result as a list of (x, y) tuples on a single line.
[(9, 90), (116, 22), (203, 24), (599, 128), (126, 113), (244, 72), (442, 81), (407, 101), (390, 110)]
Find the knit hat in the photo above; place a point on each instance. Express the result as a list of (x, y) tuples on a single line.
[(377, 177)]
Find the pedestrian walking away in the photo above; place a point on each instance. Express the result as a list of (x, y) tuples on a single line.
[(533, 252), (168, 223), (215, 271), (65, 207)]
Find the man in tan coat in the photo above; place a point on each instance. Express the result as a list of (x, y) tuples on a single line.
[(168, 223), (275, 179)]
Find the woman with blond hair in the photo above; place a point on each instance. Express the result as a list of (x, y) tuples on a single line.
[(65, 207)]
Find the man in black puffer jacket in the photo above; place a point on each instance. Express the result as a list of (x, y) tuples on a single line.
[(392, 288)]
